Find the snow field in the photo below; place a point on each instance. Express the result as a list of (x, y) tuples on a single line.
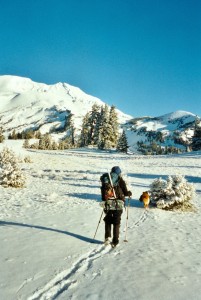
[(47, 231)]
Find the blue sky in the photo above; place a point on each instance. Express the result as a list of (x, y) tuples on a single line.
[(143, 56)]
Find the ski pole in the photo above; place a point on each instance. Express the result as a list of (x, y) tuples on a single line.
[(125, 240), (98, 224)]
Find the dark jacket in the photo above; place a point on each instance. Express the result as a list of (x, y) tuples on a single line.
[(121, 190)]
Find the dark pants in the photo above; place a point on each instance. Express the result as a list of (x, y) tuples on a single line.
[(113, 217)]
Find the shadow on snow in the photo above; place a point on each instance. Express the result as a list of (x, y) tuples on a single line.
[(78, 236), (85, 196)]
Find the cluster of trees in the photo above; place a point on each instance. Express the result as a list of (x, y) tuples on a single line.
[(25, 134), (100, 128), (46, 143), (155, 149)]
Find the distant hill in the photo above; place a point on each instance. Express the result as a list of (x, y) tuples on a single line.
[(173, 129)]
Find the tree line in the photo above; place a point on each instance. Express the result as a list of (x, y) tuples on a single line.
[(100, 128)]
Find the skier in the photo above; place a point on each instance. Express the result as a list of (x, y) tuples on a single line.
[(114, 206)]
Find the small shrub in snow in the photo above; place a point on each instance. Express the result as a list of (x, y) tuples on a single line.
[(10, 173), (27, 159), (173, 193)]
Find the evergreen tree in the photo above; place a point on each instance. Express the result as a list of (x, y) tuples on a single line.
[(38, 134), (105, 130), (122, 145), (84, 141), (45, 143), (2, 138), (54, 146), (114, 126), (196, 140), (61, 145), (26, 144), (70, 129), (92, 122)]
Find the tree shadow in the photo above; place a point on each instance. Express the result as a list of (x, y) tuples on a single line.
[(134, 203), (85, 196), (84, 185), (147, 176), (75, 235), (193, 179)]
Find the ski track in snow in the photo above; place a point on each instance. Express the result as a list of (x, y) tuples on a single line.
[(64, 280), (67, 279)]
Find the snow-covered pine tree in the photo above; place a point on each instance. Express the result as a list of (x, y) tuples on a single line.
[(94, 115), (10, 172), (173, 193), (122, 145), (26, 144), (105, 130), (45, 143), (70, 128), (113, 123), (84, 137), (196, 140), (99, 128), (61, 145), (2, 138)]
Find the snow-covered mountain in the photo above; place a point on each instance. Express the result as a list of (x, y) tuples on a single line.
[(25, 104), (168, 129)]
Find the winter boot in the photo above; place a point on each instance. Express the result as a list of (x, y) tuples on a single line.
[(107, 241)]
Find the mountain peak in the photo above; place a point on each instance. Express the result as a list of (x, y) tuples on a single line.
[(27, 104)]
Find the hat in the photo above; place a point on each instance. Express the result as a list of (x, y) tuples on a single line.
[(116, 170)]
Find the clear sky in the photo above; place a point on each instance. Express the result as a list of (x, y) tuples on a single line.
[(143, 56)]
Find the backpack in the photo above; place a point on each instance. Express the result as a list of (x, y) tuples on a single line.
[(107, 191)]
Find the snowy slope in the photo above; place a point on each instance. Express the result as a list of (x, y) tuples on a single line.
[(26, 104), (46, 230), (138, 129)]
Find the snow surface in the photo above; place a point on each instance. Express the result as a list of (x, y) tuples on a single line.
[(46, 230)]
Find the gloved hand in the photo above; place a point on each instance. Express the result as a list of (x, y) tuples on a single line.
[(129, 194)]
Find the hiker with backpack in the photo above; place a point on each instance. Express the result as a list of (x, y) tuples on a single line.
[(113, 192)]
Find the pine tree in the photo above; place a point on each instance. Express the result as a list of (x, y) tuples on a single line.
[(122, 145), (10, 173), (26, 144), (113, 123), (105, 130), (84, 140), (2, 138), (61, 145), (45, 143), (70, 129), (92, 121), (196, 140)]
